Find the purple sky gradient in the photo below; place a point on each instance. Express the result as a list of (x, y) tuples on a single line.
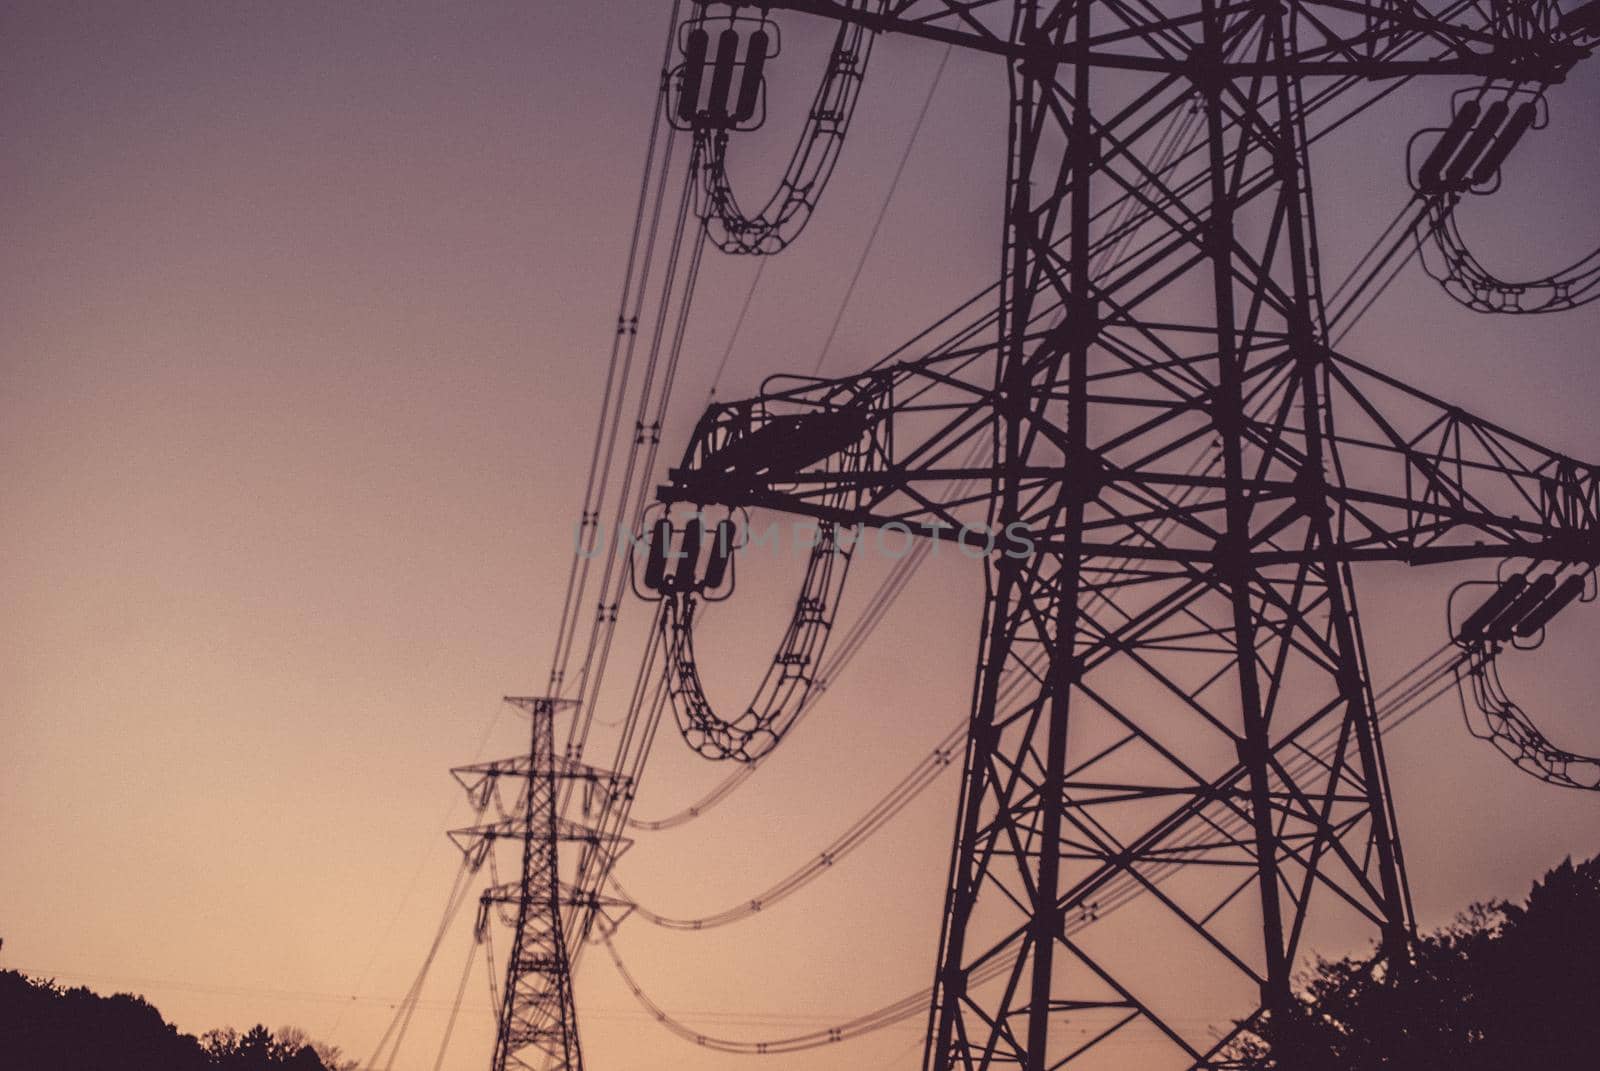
[(304, 312)]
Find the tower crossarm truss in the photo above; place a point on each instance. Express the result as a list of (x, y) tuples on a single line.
[(1178, 474), (1390, 39), (1406, 477), (482, 780), (1424, 482)]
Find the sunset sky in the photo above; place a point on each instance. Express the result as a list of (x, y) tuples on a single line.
[(303, 323)]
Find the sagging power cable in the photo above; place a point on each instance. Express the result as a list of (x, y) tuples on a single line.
[(1413, 692), (619, 365)]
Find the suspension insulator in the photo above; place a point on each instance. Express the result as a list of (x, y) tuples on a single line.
[(722, 76), (755, 61), (721, 555), (655, 567), (694, 65), (1433, 167), (1479, 141), (1540, 615), (1473, 627), (688, 556), (1537, 591), (790, 442), (1584, 19), (1521, 120)]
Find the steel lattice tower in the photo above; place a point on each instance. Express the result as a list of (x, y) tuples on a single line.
[(1181, 473), (537, 1025)]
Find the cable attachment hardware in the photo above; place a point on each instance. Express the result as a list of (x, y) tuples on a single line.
[(1486, 124), (1518, 608), (721, 83), (690, 555), (720, 87), (1466, 156), (1582, 21), (1516, 611)]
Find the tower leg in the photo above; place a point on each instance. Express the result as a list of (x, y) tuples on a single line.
[(1141, 727)]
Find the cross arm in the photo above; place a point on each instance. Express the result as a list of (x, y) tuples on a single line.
[(1335, 37), (1409, 478), (1422, 481), (906, 445)]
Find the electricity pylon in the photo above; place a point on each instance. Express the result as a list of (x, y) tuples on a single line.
[(1182, 472), (537, 1026)]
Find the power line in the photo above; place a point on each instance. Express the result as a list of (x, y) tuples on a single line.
[(883, 209)]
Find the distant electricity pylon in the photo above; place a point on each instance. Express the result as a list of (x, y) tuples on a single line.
[(537, 1025)]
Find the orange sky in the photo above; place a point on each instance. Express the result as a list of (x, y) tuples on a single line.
[(303, 316)]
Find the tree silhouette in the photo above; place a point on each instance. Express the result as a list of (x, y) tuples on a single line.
[(258, 1049), (46, 1027), (332, 1057), (1506, 986)]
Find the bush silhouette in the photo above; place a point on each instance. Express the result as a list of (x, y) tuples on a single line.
[(1507, 986)]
